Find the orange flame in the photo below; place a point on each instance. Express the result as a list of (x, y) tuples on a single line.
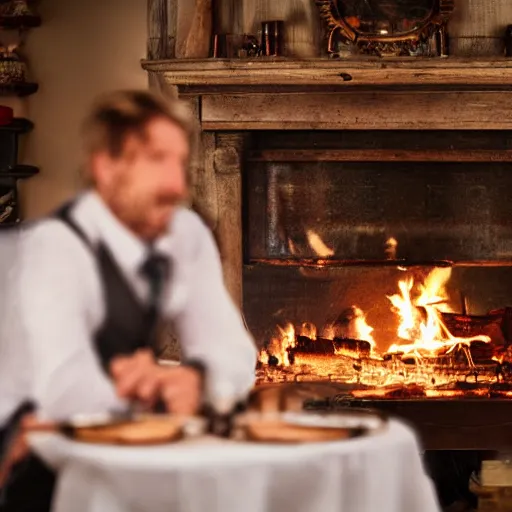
[(318, 245), (421, 330), (420, 320), (328, 332), (264, 357), (279, 344), (309, 330), (362, 330), (352, 324)]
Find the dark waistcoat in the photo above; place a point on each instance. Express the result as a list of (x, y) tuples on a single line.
[(127, 324)]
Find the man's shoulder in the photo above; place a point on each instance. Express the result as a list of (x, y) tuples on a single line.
[(187, 224), (50, 235), (49, 227), (189, 232)]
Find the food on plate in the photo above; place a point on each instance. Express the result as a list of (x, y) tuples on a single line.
[(278, 431), (151, 430)]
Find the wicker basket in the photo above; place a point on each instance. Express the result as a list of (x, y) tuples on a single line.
[(12, 71)]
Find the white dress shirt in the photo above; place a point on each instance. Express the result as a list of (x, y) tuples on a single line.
[(50, 355)]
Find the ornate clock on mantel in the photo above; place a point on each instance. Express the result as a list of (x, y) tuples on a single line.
[(386, 28)]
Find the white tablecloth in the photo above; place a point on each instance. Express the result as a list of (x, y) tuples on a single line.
[(382, 473)]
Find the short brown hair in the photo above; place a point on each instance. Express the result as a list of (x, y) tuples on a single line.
[(117, 115)]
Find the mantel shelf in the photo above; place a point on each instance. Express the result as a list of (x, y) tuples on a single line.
[(208, 75)]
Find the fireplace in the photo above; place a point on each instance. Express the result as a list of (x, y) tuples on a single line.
[(347, 237), (378, 262), (362, 214)]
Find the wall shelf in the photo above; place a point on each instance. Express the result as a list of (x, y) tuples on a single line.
[(19, 172), (10, 170), (17, 125), (19, 22), (18, 89)]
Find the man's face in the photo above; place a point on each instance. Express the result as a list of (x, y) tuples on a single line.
[(147, 181)]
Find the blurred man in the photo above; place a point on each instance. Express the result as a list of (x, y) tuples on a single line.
[(97, 277)]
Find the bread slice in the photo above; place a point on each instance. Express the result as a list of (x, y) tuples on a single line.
[(277, 431), (142, 432)]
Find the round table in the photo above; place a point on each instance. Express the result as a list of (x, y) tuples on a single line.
[(382, 472)]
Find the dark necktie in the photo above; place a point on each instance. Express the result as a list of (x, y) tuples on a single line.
[(156, 270)]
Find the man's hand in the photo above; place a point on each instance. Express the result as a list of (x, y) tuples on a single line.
[(181, 390), (139, 377), (136, 376)]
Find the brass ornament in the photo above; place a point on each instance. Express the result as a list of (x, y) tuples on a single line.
[(348, 34)]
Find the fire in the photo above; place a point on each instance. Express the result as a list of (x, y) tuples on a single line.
[(423, 336), (362, 330), (309, 330), (264, 357), (279, 345), (421, 324), (352, 325), (318, 245)]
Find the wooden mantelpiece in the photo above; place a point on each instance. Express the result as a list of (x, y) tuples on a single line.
[(209, 75), (279, 94)]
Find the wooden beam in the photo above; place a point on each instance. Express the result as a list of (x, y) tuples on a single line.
[(346, 73), (205, 196), (161, 29), (381, 155), (228, 161), (363, 111)]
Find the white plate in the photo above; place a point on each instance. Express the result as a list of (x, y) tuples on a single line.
[(333, 420)]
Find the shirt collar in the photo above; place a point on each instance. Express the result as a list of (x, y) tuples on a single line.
[(102, 225)]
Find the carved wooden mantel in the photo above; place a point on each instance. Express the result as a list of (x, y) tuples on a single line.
[(361, 94), (207, 73)]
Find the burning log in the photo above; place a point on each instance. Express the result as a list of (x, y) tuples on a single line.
[(467, 326), (436, 351), (351, 325), (475, 352), (506, 325), (350, 347), (338, 346), (273, 361), (404, 357), (481, 352), (306, 345)]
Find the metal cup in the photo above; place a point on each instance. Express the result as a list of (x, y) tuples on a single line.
[(508, 41), (219, 49), (272, 38)]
